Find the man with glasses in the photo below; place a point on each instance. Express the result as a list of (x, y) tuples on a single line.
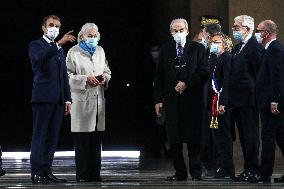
[(270, 99), (246, 61), (178, 87)]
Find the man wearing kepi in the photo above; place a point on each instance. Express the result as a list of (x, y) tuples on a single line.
[(270, 99), (51, 98), (178, 87), (246, 61)]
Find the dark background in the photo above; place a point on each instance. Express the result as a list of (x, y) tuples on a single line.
[(127, 33)]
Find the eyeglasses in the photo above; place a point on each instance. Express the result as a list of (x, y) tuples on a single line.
[(238, 28), (217, 42), (259, 31)]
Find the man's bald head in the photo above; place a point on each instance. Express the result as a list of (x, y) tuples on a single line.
[(269, 26)]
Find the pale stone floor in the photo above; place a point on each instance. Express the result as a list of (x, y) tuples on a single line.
[(120, 172)]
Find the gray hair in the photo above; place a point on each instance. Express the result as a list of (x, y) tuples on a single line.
[(86, 27), (178, 20), (246, 20)]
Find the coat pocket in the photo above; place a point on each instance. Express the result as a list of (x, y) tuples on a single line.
[(79, 95)]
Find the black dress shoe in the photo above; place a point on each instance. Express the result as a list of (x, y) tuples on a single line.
[(38, 179), (279, 180), (245, 176), (176, 178), (222, 173), (2, 171), (83, 180), (260, 179), (96, 179), (208, 173), (53, 179), (196, 178)]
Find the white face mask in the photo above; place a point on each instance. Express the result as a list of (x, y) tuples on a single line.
[(180, 38), (52, 33), (204, 42), (258, 37)]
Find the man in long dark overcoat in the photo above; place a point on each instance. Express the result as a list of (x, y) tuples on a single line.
[(178, 87)]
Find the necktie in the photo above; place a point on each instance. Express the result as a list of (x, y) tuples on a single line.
[(51, 43), (179, 51)]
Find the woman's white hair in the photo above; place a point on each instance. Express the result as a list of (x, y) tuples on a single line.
[(84, 29), (246, 20), (178, 20)]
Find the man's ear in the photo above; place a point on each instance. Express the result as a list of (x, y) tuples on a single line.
[(81, 37), (266, 34), (248, 30), (43, 28)]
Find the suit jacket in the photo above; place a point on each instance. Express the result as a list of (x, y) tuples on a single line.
[(270, 80), (183, 111), (50, 84), (244, 68)]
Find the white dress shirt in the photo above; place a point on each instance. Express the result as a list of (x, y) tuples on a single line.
[(245, 42)]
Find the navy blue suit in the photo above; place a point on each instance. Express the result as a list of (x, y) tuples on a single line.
[(244, 68), (270, 88), (50, 90)]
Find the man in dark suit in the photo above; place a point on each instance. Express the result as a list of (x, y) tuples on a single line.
[(246, 60), (2, 171), (270, 99), (51, 98), (178, 87)]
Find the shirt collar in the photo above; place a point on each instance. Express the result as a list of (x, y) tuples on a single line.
[(267, 44), (247, 38), (183, 44), (46, 39)]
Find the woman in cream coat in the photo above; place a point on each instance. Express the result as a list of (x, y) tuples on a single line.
[(89, 75)]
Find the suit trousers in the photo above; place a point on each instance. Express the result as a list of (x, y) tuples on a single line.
[(225, 142), (209, 145), (247, 121), (47, 119), (87, 154), (194, 160), (0, 156), (272, 131)]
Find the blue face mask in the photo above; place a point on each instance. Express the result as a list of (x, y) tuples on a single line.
[(214, 48), (92, 42), (238, 35)]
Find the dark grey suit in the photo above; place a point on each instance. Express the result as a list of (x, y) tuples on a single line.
[(244, 69)]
